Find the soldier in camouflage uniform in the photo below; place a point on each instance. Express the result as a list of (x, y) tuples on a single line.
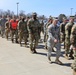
[(7, 28), (46, 31), (2, 22), (41, 29), (62, 30), (33, 28), (22, 30), (73, 42), (67, 36), (54, 40)]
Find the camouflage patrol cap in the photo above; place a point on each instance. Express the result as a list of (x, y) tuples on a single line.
[(34, 13), (64, 18), (72, 17), (50, 17)]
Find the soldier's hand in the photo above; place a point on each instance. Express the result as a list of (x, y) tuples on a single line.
[(55, 41), (61, 34)]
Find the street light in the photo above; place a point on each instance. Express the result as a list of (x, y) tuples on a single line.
[(71, 11), (17, 8)]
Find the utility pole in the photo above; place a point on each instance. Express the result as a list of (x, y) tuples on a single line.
[(17, 8), (71, 11)]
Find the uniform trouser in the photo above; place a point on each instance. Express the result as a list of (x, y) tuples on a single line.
[(7, 31), (42, 30), (33, 39), (67, 45), (14, 32), (58, 49), (2, 32), (75, 59), (74, 50), (45, 34), (23, 36)]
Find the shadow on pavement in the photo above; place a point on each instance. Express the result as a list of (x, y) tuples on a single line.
[(45, 54), (40, 47), (67, 64)]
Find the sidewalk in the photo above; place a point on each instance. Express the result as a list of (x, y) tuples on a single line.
[(16, 60)]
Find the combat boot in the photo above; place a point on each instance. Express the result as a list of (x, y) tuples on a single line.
[(31, 50), (57, 61), (25, 44), (67, 57), (12, 41), (34, 50), (17, 41), (53, 50), (74, 72), (71, 54)]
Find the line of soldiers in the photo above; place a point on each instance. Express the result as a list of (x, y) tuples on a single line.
[(21, 29), (55, 35)]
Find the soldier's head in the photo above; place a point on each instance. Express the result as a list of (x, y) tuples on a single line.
[(14, 17), (23, 18), (71, 19), (34, 15), (27, 17), (50, 19), (3, 16), (64, 19), (55, 21), (19, 17)]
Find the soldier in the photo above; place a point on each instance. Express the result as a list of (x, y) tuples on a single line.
[(7, 28), (13, 27), (33, 28), (73, 42), (54, 41), (27, 19), (41, 28), (67, 36), (45, 30), (2, 22), (62, 30), (22, 30)]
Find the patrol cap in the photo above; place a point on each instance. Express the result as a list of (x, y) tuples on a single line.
[(54, 18), (50, 17), (71, 17), (34, 13), (64, 18)]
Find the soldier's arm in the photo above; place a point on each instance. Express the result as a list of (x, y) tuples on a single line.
[(59, 33), (61, 29), (66, 31), (5, 25), (50, 33), (72, 34), (29, 25), (18, 27)]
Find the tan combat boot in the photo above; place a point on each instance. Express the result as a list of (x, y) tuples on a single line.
[(57, 61), (67, 57)]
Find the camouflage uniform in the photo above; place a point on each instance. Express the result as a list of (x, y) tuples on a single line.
[(42, 26), (46, 31), (62, 32), (7, 29), (54, 33), (73, 42), (2, 22), (23, 32), (33, 28), (67, 38)]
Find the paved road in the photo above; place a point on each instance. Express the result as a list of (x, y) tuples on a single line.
[(16, 60)]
